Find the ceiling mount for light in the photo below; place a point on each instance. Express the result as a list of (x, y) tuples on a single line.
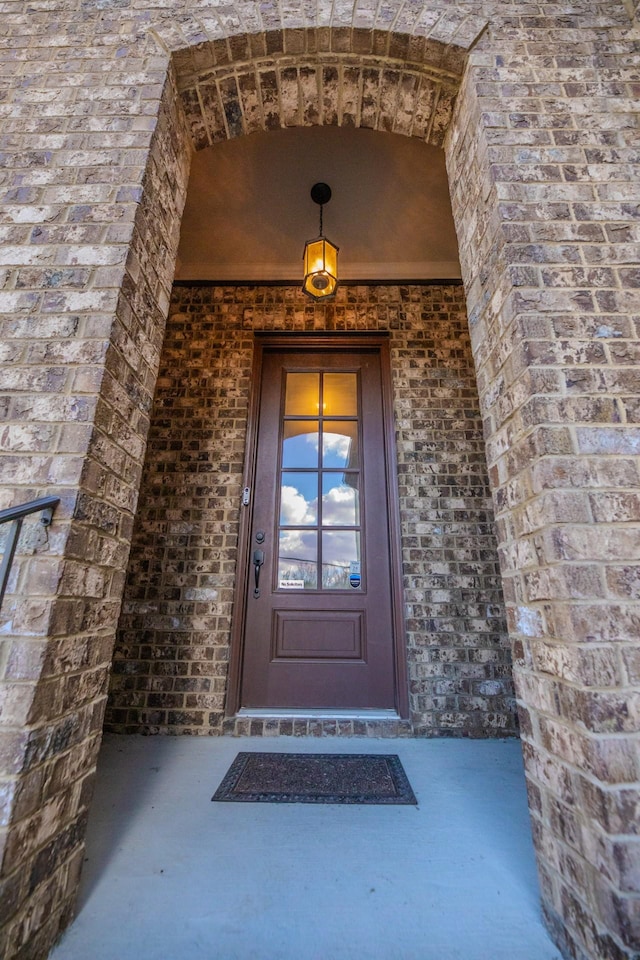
[(320, 256), (321, 193)]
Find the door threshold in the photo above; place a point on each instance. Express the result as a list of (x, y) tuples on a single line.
[(284, 713)]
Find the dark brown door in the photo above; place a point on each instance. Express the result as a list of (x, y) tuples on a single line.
[(319, 619)]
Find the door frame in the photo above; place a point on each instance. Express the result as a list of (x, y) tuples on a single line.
[(267, 341)]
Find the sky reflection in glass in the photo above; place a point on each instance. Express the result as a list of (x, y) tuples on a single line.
[(299, 499), (300, 444), (340, 444), (340, 500)]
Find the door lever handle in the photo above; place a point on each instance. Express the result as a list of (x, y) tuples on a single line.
[(258, 560)]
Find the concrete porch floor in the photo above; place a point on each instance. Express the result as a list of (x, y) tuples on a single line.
[(171, 876)]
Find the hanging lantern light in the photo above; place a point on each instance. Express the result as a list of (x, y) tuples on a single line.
[(320, 256)]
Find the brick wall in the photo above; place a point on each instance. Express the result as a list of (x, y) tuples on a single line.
[(170, 667), (538, 160), (542, 152), (83, 331)]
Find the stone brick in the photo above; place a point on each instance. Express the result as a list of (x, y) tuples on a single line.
[(175, 618)]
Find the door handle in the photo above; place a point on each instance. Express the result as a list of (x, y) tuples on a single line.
[(258, 560)]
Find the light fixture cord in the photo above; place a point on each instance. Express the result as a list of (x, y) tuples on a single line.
[(321, 206)]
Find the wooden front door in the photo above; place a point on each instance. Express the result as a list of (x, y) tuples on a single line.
[(319, 623)]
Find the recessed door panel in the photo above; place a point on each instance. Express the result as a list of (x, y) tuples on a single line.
[(305, 634)]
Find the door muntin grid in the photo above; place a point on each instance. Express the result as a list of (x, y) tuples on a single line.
[(320, 536)]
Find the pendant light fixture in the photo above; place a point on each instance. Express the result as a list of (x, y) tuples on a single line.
[(320, 256)]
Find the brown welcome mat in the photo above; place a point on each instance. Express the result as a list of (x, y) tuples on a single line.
[(316, 778)]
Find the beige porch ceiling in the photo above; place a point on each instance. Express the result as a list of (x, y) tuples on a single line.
[(249, 212)]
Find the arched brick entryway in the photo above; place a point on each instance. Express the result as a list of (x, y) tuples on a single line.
[(551, 298), (401, 87), (176, 601)]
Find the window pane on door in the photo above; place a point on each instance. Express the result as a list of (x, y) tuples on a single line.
[(340, 395), (299, 499), (302, 395), (340, 443), (340, 557), (340, 500), (300, 443), (297, 559)]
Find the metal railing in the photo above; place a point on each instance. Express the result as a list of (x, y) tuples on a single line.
[(15, 516)]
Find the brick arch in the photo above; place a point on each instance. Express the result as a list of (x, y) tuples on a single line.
[(360, 78)]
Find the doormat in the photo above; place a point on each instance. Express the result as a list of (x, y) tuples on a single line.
[(316, 778)]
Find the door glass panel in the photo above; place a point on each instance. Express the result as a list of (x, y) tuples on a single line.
[(302, 395), (340, 444), (340, 500), (340, 559), (297, 560), (320, 411), (340, 395), (299, 499), (300, 443)]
